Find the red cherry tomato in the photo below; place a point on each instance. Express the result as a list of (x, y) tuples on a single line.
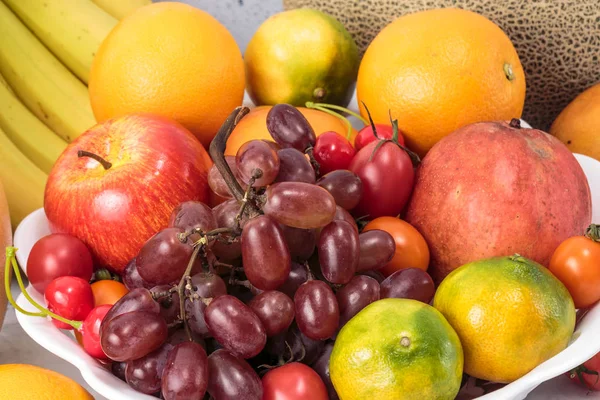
[(71, 298), (58, 255), (387, 176), (366, 136), (90, 331), (293, 381), (587, 374), (333, 151)]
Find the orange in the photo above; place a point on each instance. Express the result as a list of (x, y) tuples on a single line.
[(108, 291), (511, 314), (169, 59), (28, 382), (578, 125), (437, 71), (254, 126)]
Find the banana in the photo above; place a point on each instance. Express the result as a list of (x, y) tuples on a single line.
[(121, 8), (43, 84), (27, 132), (23, 182), (72, 29)]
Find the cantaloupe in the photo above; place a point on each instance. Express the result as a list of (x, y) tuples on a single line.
[(558, 41), (5, 240)]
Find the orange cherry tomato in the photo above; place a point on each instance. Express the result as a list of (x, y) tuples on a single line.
[(108, 292), (411, 248), (576, 263)]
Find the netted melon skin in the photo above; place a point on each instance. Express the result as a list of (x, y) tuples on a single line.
[(558, 41)]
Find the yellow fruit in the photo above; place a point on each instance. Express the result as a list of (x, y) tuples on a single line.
[(5, 240), (173, 60), (397, 349), (510, 313), (254, 126), (437, 71), (121, 8), (28, 382), (578, 125), (298, 56)]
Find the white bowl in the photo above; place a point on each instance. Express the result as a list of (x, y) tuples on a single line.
[(584, 344)]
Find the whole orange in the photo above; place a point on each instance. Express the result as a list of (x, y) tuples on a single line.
[(577, 125), (439, 70), (169, 59), (254, 126)]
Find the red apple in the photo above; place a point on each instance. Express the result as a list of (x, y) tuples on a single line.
[(147, 166)]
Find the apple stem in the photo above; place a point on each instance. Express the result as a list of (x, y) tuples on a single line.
[(515, 123), (102, 161), (217, 151)]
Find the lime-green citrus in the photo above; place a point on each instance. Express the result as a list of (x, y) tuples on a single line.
[(397, 349), (510, 313), (301, 55)]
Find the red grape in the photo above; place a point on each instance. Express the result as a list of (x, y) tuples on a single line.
[(378, 276), (235, 326), (193, 214), (232, 378), (58, 255), (301, 242), (345, 187), (257, 154), (131, 277), (298, 275), (333, 151), (317, 311), (321, 367), (409, 283), (225, 214), (265, 255), (338, 250), (194, 311), (132, 335), (169, 303), (185, 375), (118, 369), (71, 298), (91, 331), (207, 285), (294, 167), (164, 258), (341, 215), (144, 374), (299, 204), (136, 300), (303, 349), (216, 181), (274, 309), (290, 128), (357, 294), (377, 248)]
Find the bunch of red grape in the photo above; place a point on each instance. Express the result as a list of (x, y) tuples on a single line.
[(264, 279)]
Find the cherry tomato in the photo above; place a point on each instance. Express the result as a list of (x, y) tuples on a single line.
[(71, 298), (293, 381), (587, 374), (333, 151), (387, 175), (58, 255), (108, 292), (90, 331), (366, 136), (576, 263), (411, 248)]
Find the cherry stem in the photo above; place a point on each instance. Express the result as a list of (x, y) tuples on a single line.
[(11, 260), (217, 150), (102, 161), (181, 290), (322, 107), (342, 109)]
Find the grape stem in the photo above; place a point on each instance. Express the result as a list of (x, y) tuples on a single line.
[(315, 164), (183, 283)]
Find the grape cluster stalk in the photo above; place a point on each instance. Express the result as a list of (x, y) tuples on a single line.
[(268, 277)]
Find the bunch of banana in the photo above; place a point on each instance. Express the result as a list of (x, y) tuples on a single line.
[(46, 51)]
